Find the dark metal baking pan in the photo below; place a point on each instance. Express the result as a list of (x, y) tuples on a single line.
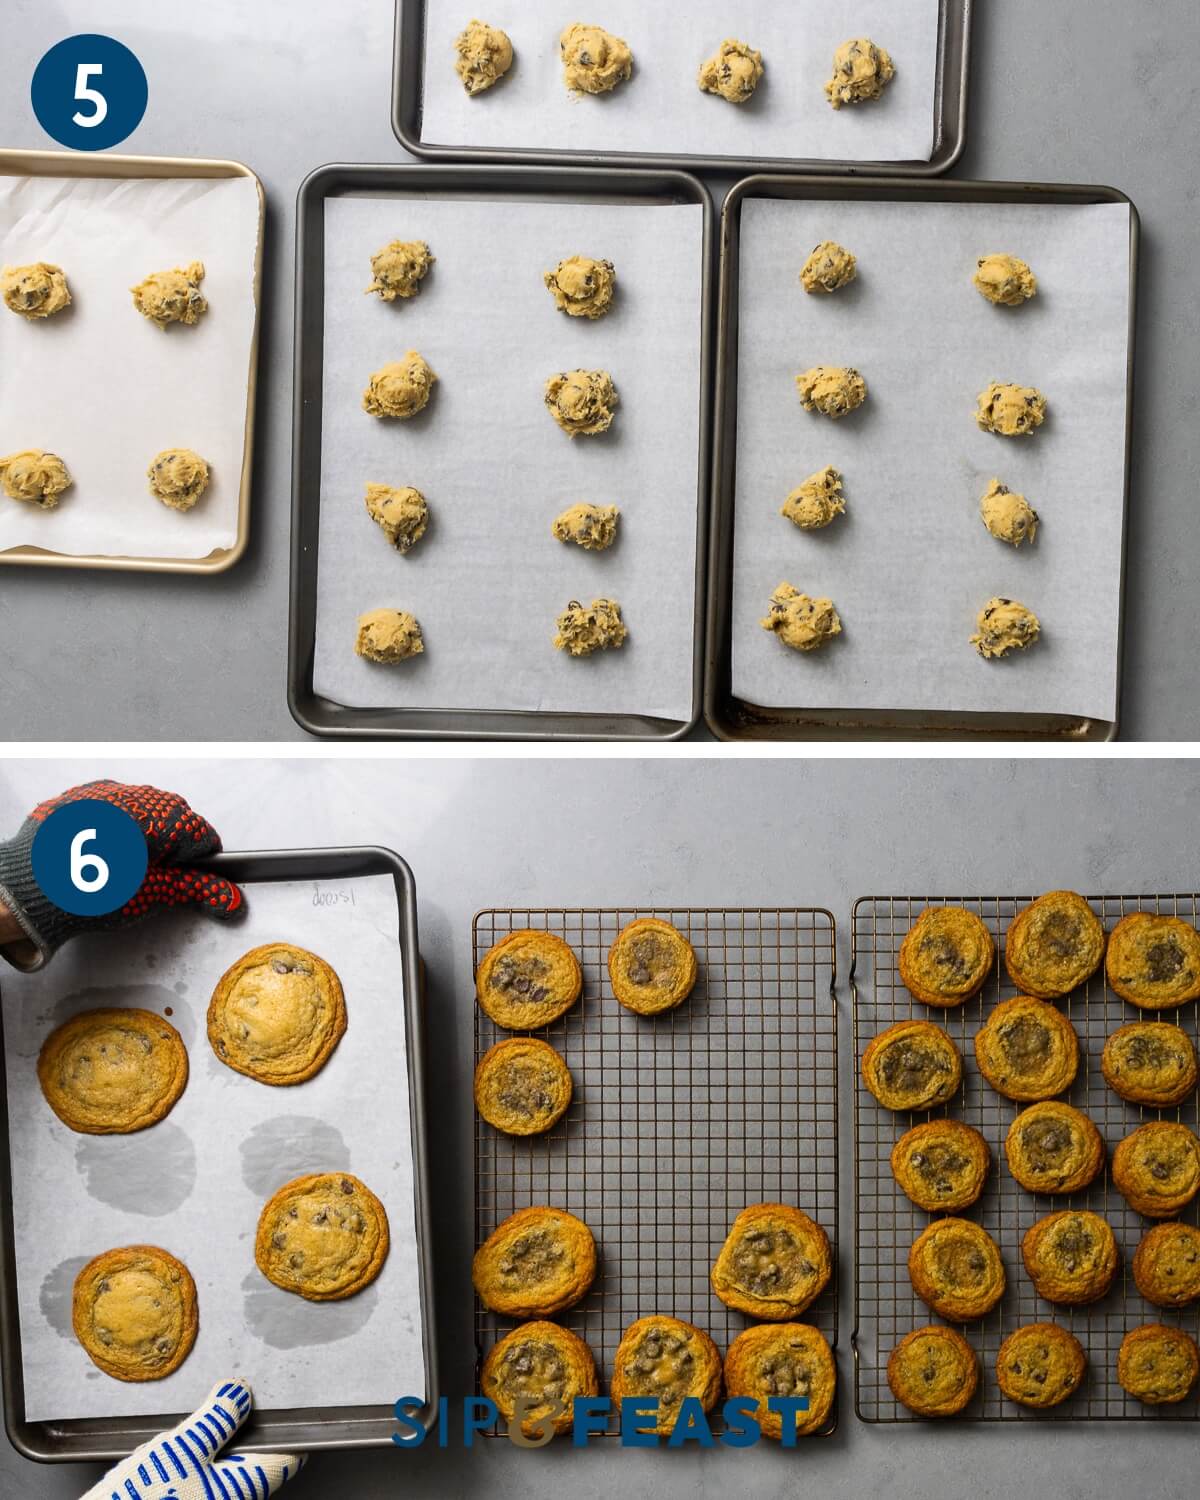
[(949, 114), (732, 718), (322, 716), (95, 1439)]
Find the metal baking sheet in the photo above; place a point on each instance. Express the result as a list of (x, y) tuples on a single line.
[(887, 1222), (325, 883), (679, 105), (472, 688), (732, 716), (677, 1122), (108, 167)]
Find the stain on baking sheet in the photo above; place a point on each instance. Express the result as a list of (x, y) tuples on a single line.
[(286, 1321), (55, 1296), (150, 1172), (290, 1146), (152, 997)]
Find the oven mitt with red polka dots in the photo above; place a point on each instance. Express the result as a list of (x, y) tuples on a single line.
[(176, 837), (188, 1462)]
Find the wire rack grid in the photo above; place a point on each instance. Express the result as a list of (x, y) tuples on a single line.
[(887, 1222), (678, 1121)]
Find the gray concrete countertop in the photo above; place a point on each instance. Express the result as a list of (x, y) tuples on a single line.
[(1059, 93), (696, 832)]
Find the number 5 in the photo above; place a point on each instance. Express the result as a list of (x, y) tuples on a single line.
[(81, 863), (94, 97)]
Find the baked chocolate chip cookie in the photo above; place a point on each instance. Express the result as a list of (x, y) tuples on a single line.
[(775, 1262), (277, 1014), (912, 1066), (652, 966), (539, 1261), (946, 956), (1154, 962), (538, 1363), (522, 1086), (1071, 1257), (955, 1267), (1053, 1148), (113, 1071), (1053, 945), (670, 1359), (1157, 1168), (527, 980), (1040, 1365), (134, 1311), (1027, 1050), (1150, 1062), (942, 1165), (324, 1237), (933, 1371), (1158, 1364), (783, 1359), (1166, 1265)]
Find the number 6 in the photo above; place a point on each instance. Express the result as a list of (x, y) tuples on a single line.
[(90, 96), (81, 863)]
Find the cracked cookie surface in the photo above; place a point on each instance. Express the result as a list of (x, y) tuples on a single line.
[(1053, 945), (539, 1261), (527, 980), (1027, 1050), (913, 1065), (946, 955), (277, 1014), (113, 1071), (774, 1263), (1071, 1257), (134, 1310), (651, 966), (324, 1236), (522, 1086)]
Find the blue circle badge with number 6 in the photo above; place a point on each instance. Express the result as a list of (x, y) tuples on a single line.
[(89, 92), (89, 857)]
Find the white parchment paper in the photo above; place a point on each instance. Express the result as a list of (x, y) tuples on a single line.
[(910, 564), (661, 108), (196, 1182), (103, 387), (488, 580)]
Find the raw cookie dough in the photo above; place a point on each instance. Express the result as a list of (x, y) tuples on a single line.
[(1005, 279), (1004, 626), (582, 401), (594, 61), (400, 389), (833, 390), (591, 526), (36, 475), (1011, 410), (814, 503), (388, 635), (178, 477), (582, 287), (829, 267), (1008, 516), (172, 296), (36, 291), (860, 71), (583, 629), (734, 71), (485, 54), (399, 269), (800, 622), (402, 515)]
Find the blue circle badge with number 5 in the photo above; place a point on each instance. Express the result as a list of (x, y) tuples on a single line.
[(89, 857), (89, 92)]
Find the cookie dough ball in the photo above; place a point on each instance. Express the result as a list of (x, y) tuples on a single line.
[(172, 296), (1011, 410), (833, 390), (593, 527), (597, 626), (400, 389), (35, 475), (1008, 516), (402, 515), (734, 71), (829, 267), (399, 269), (594, 61), (814, 503), (860, 72), (178, 477), (802, 623), (1004, 626), (582, 401), (388, 636), (1005, 279), (485, 54), (36, 291), (582, 287)]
